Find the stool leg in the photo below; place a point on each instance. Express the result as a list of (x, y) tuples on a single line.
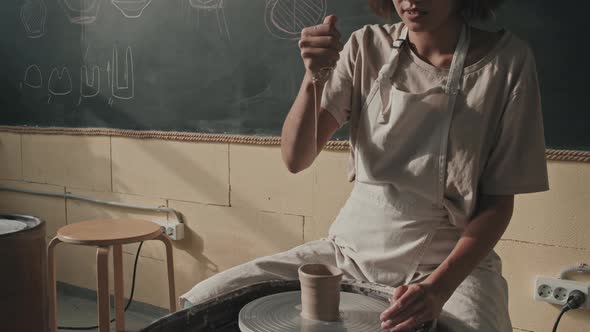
[(102, 288), (51, 284), (119, 301), (170, 264)]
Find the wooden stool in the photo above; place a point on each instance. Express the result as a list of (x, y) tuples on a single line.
[(103, 234)]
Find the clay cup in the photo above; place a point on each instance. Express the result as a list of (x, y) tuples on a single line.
[(320, 291)]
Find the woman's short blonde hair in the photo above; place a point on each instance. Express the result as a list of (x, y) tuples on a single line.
[(472, 9)]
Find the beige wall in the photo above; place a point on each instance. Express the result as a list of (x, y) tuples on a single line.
[(239, 203)]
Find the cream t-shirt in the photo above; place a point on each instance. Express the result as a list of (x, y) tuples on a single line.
[(496, 141)]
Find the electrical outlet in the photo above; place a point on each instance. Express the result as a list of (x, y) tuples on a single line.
[(556, 291), (544, 290), (174, 230)]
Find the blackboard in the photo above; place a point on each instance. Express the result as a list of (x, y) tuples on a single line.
[(224, 66)]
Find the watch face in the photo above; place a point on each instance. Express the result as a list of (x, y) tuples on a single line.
[(80, 11), (286, 18)]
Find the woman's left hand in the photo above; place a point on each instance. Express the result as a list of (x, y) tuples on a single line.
[(411, 306)]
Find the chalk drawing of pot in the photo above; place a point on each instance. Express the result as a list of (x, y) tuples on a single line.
[(80, 11), (131, 8)]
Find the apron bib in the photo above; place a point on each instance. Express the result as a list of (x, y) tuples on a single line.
[(400, 156)]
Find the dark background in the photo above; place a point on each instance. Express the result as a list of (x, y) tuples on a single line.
[(229, 70)]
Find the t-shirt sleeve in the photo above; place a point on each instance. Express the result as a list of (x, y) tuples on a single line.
[(517, 161), (337, 94)]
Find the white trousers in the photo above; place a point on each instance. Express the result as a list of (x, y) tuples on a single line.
[(479, 304)]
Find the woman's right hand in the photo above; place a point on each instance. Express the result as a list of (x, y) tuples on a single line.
[(320, 46)]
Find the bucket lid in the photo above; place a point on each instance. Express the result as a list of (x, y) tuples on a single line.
[(14, 223), (8, 226)]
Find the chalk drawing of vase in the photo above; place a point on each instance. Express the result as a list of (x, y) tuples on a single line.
[(131, 8), (33, 15), (285, 19), (204, 7), (89, 83), (80, 11), (122, 76)]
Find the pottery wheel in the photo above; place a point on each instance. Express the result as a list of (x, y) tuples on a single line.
[(281, 312)]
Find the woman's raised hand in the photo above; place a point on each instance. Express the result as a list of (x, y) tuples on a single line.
[(320, 46)]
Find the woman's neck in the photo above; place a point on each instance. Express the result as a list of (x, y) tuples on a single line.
[(437, 46)]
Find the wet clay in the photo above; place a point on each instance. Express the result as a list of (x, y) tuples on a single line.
[(320, 291)]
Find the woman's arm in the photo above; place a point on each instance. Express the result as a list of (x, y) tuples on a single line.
[(479, 238), (320, 47), (298, 131), (422, 302)]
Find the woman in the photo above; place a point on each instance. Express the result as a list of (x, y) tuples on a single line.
[(446, 128)]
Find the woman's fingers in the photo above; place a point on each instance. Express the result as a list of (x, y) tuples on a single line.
[(417, 310), (321, 30), (326, 54), (318, 58), (321, 42), (398, 292), (330, 19), (412, 294), (320, 45), (411, 322)]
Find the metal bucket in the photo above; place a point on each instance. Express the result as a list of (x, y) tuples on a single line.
[(23, 281), (221, 314)]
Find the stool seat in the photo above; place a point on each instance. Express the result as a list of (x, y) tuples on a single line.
[(109, 231), (107, 234)]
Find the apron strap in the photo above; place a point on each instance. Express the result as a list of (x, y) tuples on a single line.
[(403, 37), (387, 70), (383, 80), (455, 73), (452, 89), (457, 65)]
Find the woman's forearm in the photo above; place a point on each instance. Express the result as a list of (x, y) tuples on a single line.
[(320, 47), (298, 134), (479, 237)]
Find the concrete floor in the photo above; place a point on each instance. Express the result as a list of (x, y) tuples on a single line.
[(77, 307)]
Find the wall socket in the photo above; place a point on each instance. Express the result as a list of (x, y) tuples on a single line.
[(556, 291), (174, 230)]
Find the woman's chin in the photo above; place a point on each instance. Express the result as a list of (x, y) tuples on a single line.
[(416, 26)]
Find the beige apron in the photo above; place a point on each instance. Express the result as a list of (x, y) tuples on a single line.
[(393, 229), (394, 219)]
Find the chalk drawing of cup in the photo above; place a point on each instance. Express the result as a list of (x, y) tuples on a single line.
[(33, 77), (60, 82), (131, 8), (80, 11)]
